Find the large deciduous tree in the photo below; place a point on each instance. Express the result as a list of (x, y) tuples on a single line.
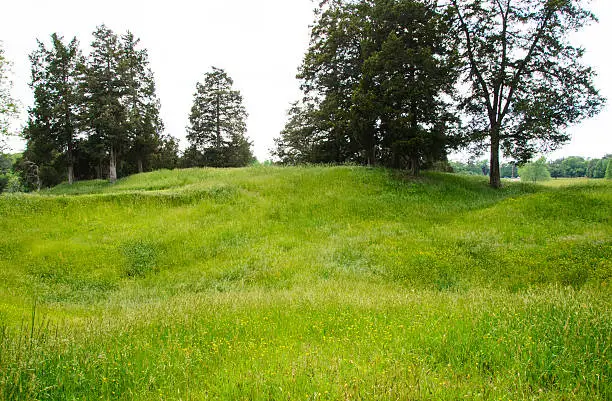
[(527, 80), (217, 122)]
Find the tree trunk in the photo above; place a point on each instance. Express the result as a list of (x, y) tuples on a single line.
[(371, 155), (140, 169), (70, 174), (416, 167), (494, 173), (113, 166), (70, 164)]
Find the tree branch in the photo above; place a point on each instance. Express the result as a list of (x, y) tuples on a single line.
[(473, 63), (523, 64)]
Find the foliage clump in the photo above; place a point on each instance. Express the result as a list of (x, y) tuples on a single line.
[(534, 172)]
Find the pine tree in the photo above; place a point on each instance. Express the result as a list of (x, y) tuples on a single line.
[(217, 122)]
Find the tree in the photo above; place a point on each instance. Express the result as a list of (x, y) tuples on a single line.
[(166, 155), (527, 81), (8, 105), (298, 142), (555, 168), (57, 75), (217, 122), (104, 90), (599, 171), (609, 171), (536, 171), (574, 166), (374, 79), (140, 101)]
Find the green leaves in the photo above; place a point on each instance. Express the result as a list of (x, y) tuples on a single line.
[(374, 77), (217, 123), (534, 172), (527, 80), (93, 111)]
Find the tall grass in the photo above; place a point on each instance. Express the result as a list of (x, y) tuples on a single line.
[(306, 283)]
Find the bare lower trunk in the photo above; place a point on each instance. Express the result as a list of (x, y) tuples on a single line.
[(70, 174), (494, 173), (113, 166), (70, 165), (416, 166), (140, 169)]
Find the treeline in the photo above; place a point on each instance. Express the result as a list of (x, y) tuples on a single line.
[(98, 116), (481, 167), (569, 167), (576, 166), (396, 83)]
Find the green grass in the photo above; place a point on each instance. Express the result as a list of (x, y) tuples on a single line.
[(306, 283)]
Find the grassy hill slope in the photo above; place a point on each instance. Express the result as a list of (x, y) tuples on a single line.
[(306, 283)]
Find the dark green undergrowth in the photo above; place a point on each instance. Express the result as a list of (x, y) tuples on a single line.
[(320, 283)]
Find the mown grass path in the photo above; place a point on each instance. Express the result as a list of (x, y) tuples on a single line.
[(306, 283)]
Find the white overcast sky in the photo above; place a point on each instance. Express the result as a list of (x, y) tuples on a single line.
[(259, 43)]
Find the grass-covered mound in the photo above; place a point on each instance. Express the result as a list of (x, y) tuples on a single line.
[(306, 283)]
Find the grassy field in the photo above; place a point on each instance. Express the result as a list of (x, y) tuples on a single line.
[(312, 283)]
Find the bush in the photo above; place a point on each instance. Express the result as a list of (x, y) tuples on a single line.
[(14, 183), (536, 171)]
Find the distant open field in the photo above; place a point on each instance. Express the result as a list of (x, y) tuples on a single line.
[(564, 182), (306, 283)]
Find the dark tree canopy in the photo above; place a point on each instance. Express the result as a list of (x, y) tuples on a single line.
[(144, 125), (217, 123), (374, 80), (56, 119), (94, 111), (527, 80)]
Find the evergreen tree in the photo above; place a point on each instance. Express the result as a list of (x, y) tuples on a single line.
[(329, 74), (528, 83), (298, 142), (373, 78), (609, 171), (217, 122), (166, 155), (57, 74), (144, 125), (105, 88)]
